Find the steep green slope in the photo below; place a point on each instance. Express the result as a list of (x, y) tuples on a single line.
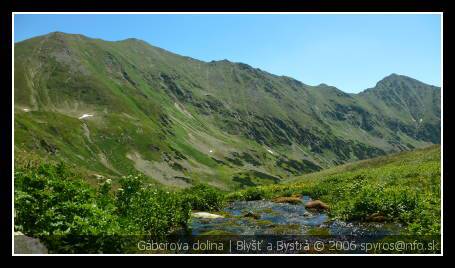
[(412, 108), (179, 120)]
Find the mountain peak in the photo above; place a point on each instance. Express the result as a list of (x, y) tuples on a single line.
[(394, 77), (62, 35), (68, 36), (395, 81), (58, 33), (133, 40), (121, 104), (223, 61)]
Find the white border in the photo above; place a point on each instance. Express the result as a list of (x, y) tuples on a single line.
[(12, 129), (230, 13), (442, 131)]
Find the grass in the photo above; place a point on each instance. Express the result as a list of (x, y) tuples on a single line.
[(58, 77), (57, 204), (403, 188)]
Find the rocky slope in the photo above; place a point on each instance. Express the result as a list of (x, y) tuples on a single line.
[(113, 108)]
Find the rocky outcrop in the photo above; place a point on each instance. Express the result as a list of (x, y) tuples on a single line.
[(28, 245)]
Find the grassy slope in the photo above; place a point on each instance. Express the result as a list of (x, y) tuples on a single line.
[(159, 105), (403, 187), (51, 199)]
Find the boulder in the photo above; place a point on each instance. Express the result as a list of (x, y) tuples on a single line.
[(316, 204), (28, 245), (307, 214), (251, 214), (206, 215), (376, 217)]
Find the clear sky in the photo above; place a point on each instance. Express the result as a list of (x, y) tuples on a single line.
[(349, 51)]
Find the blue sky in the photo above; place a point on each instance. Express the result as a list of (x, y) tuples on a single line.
[(349, 51)]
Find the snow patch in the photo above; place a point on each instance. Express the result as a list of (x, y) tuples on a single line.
[(85, 116)]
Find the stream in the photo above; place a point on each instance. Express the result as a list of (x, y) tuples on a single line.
[(270, 218)]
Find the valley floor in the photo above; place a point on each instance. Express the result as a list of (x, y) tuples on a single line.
[(396, 194)]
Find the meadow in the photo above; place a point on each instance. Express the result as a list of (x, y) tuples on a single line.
[(55, 203)]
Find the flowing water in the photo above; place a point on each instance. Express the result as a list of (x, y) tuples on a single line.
[(270, 218)]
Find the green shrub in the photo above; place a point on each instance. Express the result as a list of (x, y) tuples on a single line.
[(70, 216), (249, 194), (204, 197), (53, 204), (154, 212)]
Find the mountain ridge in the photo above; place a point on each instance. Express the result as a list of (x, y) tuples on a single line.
[(180, 120), (138, 40)]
